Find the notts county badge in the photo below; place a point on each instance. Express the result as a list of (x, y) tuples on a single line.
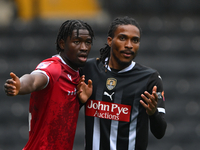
[(111, 83)]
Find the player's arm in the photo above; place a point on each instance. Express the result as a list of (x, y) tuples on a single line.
[(157, 122), (26, 84), (151, 102)]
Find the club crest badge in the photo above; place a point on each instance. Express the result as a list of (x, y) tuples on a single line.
[(111, 83)]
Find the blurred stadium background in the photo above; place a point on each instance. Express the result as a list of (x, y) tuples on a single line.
[(170, 43)]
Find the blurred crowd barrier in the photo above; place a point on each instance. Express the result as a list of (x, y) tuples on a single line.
[(53, 9)]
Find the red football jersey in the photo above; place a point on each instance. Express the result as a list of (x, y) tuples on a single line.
[(54, 110)]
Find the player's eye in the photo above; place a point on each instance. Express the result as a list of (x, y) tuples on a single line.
[(122, 38), (88, 42), (76, 42), (135, 40)]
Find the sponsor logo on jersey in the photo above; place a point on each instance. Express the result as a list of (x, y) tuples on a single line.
[(109, 95), (161, 95), (43, 65), (70, 77), (111, 83), (72, 92), (107, 110)]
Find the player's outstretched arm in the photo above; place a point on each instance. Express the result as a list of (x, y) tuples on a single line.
[(24, 85), (84, 90)]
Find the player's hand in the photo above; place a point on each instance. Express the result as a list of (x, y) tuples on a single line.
[(151, 101), (84, 90), (12, 86)]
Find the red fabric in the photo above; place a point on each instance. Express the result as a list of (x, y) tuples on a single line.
[(54, 110)]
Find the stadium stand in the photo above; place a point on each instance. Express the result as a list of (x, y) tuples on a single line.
[(170, 43)]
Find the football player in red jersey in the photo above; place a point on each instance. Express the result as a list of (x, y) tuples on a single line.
[(54, 106)]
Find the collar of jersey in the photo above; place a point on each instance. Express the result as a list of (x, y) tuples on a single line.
[(123, 70), (63, 61)]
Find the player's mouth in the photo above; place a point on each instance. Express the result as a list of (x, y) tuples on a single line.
[(127, 53), (82, 57)]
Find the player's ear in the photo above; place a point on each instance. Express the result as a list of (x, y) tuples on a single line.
[(109, 41), (62, 44)]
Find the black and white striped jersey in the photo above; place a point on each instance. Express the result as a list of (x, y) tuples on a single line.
[(114, 117)]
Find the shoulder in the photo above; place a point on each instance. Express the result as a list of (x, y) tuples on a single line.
[(51, 66), (148, 72), (145, 69), (91, 66), (91, 62), (153, 76), (53, 61)]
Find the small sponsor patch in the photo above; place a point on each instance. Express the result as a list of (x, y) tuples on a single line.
[(161, 95), (107, 110), (70, 77), (111, 83), (43, 65)]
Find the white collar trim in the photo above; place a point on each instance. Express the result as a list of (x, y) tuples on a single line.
[(125, 69), (58, 55)]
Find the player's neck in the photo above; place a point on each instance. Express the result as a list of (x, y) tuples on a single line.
[(117, 64), (69, 63)]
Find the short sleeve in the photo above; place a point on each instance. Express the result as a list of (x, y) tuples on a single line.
[(51, 68)]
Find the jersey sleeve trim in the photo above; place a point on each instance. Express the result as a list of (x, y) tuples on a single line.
[(40, 71), (162, 110)]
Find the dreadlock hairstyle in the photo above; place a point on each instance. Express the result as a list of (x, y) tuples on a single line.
[(67, 28), (105, 52)]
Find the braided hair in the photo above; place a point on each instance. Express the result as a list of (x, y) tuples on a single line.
[(105, 52), (67, 28)]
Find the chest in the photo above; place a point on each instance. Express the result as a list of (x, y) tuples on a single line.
[(118, 88)]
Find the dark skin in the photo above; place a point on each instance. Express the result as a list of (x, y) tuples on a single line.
[(76, 48), (75, 52), (124, 46)]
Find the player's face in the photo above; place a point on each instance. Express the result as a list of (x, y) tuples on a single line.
[(124, 46), (77, 48)]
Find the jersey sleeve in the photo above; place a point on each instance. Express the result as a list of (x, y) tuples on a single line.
[(50, 68), (156, 80), (158, 124)]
